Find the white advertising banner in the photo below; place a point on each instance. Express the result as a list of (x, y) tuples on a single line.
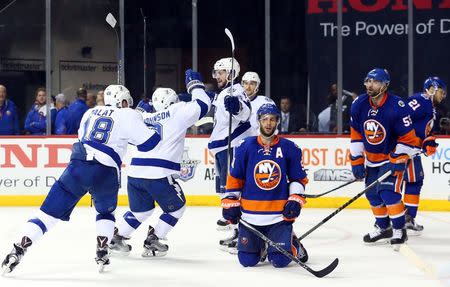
[(30, 165)]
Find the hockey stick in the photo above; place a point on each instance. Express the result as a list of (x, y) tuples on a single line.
[(230, 118), (112, 22), (377, 181), (144, 52), (336, 188), (320, 273)]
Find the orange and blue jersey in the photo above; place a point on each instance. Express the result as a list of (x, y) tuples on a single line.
[(378, 130), (422, 114), (261, 176)]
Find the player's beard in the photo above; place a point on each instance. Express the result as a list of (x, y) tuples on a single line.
[(265, 134)]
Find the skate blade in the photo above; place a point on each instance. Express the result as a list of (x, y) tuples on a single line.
[(412, 232), (396, 247), (6, 270), (230, 250), (224, 228), (153, 253), (378, 243), (101, 267), (119, 253)]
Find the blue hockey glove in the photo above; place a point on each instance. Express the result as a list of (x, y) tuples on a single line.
[(358, 169), (144, 106), (231, 209), (429, 145), (397, 163), (232, 104), (211, 95), (293, 206), (193, 80)]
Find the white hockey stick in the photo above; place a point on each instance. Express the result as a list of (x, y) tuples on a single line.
[(112, 22), (204, 121)]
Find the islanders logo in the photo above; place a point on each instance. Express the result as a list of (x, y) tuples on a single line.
[(374, 132), (267, 174)]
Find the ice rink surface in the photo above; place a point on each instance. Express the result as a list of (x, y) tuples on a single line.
[(65, 255)]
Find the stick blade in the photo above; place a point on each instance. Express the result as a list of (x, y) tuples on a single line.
[(111, 20), (327, 270), (228, 33)]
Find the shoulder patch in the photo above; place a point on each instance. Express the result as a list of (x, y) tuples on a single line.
[(401, 103)]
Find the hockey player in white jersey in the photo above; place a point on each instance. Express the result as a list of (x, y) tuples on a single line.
[(151, 175), (94, 167), (251, 82)]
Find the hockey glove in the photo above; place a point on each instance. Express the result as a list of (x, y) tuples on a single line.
[(144, 106), (231, 209), (358, 169), (232, 104), (293, 206), (397, 163), (193, 80), (429, 145)]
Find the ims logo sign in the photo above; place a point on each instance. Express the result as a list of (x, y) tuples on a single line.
[(333, 175)]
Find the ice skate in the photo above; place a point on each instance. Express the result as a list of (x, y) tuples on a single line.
[(399, 237), (412, 227), (229, 244), (13, 259), (152, 246), (118, 244), (102, 257), (378, 236), (224, 225)]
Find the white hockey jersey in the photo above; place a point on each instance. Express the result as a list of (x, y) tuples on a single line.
[(105, 132), (172, 124), (240, 125), (256, 103)]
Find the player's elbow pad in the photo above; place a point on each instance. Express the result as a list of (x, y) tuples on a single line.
[(150, 143)]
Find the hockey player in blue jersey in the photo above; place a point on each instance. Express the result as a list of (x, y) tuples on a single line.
[(94, 167), (152, 175), (382, 139), (265, 187), (423, 116)]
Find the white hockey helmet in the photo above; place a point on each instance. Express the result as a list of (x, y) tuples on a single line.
[(162, 98), (251, 77), (225, 64), (114, 95)]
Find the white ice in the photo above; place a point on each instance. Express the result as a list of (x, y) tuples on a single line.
[(65, 255)]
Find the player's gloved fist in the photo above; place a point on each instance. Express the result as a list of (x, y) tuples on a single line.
[(397, 162), (293, 206), (358, 169), (232, 104), (231, 209), (429, 145), (193, 80), (144, 106), (211, 95)]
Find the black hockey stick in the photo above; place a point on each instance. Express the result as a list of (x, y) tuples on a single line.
[(230, 118), (320, 273), (377, 181), (336, 188)]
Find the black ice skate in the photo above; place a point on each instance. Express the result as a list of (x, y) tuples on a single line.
[(411, 226), (399, 237), (13, 258), (229, 244), (118, 244), (223, 224), (152, 246), (378, 236), (102, 258)]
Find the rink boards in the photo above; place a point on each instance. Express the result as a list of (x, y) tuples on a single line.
[(30, 165)]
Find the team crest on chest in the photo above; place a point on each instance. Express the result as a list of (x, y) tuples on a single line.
[(374, 132), (267, 174)]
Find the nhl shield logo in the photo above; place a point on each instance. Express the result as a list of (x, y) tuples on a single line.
[(188, 166)]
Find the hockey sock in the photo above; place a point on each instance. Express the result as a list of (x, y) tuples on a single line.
[(105, 225), (36, 227), (381, 216), (167, 221), (412, 197), (131, 220)]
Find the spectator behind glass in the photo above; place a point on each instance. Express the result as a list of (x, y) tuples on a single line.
[(75, 112), (36, 121), (61, 115), (290, 122), (100, 99), (9, 120), (91, 100)]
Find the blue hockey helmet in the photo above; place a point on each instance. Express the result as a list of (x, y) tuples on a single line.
[(268, 109), (434, 82), (380, 75)]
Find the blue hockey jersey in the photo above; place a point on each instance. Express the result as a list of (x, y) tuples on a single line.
[(422, 114)]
